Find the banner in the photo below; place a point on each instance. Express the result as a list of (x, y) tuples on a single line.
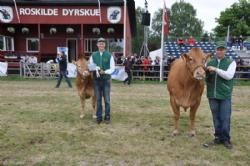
[(3, 68), (71, 70), (119, 73)]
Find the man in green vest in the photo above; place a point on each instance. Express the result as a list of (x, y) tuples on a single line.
[(219, 80), (104, 66)]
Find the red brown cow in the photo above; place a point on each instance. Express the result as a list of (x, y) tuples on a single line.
[(84, 84), (186, 83)]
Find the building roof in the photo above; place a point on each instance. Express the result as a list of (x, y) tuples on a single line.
[(130, 4)]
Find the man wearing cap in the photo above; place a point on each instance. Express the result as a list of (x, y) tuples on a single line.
[(104, 67), (219, 80)]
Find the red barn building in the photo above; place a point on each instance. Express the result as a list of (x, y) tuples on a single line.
[(38, 27)]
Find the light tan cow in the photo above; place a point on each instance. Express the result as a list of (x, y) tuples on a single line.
[(186, 84), (84, 85)]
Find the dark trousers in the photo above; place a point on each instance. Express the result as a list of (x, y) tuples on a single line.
[(102, 89), (128, 79), (63, 74), (221, 111)]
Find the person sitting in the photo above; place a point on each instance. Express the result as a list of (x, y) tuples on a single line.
[(181, 42), (191, 41)]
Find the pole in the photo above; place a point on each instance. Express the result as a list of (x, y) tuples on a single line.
[(99, 5), (162, 45), (16, 11), (124, 27)]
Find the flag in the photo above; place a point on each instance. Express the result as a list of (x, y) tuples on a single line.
[(165, 19)]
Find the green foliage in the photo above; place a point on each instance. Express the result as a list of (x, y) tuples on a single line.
[(237, 17), (138, 40), (183, 21)]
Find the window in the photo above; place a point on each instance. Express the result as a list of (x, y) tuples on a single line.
[(6, 43), (2, 43), (32, 45), (9, 43), (112, 45)]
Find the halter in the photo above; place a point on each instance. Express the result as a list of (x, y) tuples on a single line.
[(192, 71), (84, 74)]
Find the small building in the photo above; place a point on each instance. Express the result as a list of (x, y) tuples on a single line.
[(39, 27)]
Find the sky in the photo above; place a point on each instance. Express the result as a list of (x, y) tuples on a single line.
[(206, 10)]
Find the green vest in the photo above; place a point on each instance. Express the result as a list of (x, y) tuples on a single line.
[(103, 62), (218, 87)]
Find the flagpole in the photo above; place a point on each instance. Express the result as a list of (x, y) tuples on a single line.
[(16, 11), (228, 36), (99, 5), (124, 27), (162, 44)]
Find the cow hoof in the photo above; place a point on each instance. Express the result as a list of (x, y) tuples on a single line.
[(193, 133), (81, 116), (175, 133), (94, 116)]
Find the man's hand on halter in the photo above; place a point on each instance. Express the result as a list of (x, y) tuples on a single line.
[(102, 71), (211, 68)]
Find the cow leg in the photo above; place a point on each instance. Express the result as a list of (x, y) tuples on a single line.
[(82, 98), (192, 119), (176, 111), (94, 107)]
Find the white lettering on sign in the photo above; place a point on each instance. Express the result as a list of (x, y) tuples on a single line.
[(80, 12), (38, 12), (55, 12)]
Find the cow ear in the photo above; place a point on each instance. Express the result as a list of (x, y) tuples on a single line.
[(82, 56), (185, 57)]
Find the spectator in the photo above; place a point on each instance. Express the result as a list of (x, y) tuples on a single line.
[(181, 42), (191, 41), (240, 42), (235, 42), (157, 66), (128, 66), (61, 59), (146, 66)]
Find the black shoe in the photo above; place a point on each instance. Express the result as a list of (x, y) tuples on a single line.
[(228, 145), (212, 143), (107, 120), (98, 121)]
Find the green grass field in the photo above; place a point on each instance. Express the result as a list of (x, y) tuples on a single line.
[(40, 125)]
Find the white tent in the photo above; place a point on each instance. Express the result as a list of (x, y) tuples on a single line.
[(155, 53)]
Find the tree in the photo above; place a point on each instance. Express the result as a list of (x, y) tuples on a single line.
[(138, 40), (183, 20), (237, 17)]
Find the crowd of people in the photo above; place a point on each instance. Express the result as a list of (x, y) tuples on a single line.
[(237, 42)]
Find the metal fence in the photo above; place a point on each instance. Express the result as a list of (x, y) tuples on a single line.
[(49, 71)]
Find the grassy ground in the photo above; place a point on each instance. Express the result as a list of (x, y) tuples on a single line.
[(40, 125)]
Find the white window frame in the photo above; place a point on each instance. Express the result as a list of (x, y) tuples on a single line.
[(12, 43), (27, 48), (4, 43)]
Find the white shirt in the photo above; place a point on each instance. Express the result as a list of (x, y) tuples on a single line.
[(229, 73), (112, 64)]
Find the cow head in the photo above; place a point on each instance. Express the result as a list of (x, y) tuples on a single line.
[(196, 61), (82, 67)]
